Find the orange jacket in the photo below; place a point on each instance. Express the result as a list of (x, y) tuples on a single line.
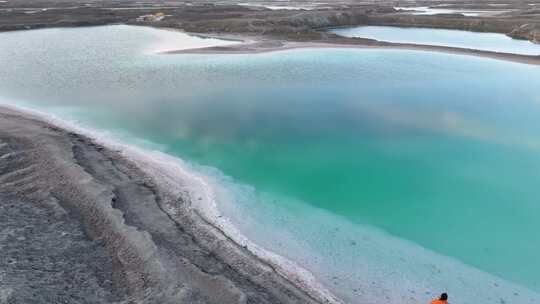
[(437, 301)]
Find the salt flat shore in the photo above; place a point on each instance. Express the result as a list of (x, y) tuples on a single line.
[(252, 46), (79, 222)]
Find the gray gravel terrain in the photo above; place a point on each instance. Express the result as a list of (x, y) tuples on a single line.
[(46, 257)]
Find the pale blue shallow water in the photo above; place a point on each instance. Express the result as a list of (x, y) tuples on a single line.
[(453, 38), (392, 175)]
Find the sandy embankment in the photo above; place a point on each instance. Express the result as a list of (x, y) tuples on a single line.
[(252, 46), (102, 230)]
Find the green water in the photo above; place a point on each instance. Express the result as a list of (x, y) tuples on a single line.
[(411, 171)]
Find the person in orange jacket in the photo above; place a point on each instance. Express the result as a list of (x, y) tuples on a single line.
[(443, 299)]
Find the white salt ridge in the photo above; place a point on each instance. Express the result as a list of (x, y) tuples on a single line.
[(426, 10)]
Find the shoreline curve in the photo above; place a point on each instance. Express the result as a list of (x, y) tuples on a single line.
[(112, 209)]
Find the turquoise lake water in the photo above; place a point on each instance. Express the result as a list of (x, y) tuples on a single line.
[(453, 38), (391, 175)]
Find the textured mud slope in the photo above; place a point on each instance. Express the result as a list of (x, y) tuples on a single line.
[(46, 257), (80, 224)]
